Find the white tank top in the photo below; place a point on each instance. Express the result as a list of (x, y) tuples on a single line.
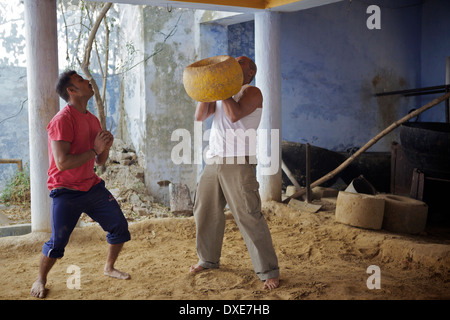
[(228, 139)]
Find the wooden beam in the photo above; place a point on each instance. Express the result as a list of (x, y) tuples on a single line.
[(17, 161), (256, 4), (276, 3)]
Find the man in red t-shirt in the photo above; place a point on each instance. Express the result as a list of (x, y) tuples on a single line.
[(75, 142)]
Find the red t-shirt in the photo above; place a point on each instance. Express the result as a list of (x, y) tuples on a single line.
[(80, 130)]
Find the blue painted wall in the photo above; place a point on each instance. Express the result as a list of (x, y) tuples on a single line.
[(435, 47), (241, 40), (332, 65)]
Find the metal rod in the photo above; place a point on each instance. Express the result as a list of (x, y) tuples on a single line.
[(437, 179), (447, 108), (418, 90), (308, 176), (447, 82), (423, 93)]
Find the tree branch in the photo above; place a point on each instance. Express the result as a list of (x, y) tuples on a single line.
[(86, 61)]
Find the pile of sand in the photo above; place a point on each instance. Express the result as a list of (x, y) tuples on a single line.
[(318, 258)]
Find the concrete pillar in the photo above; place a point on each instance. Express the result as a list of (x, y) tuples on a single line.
[(268, 79), (43, 102)]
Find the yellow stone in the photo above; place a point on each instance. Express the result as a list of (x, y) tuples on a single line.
[(213, 79)]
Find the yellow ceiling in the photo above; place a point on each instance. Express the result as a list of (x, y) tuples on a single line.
[(256, 4), (243, 6)]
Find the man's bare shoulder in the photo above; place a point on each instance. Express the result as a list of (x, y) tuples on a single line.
[(253, 93)]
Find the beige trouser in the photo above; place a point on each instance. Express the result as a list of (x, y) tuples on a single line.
[(236, 185)]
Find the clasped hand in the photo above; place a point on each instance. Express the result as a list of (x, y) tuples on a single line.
[(103, 141)]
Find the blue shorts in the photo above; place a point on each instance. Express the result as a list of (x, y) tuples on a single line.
[(67, 207)]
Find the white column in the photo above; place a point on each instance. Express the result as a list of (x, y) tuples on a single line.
[(43, 102), (268, 79)]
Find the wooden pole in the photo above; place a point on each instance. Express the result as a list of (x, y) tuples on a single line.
[(290, 175), (370, 143), (308, 174)]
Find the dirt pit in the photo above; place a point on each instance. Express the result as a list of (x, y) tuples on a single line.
[(319, 259)]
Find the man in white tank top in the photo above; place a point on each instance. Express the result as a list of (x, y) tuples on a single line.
[(229, 178)]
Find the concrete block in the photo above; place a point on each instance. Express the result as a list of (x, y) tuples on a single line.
[(180, 199), (15, 230), (360, 210), (290, 190), (404, 214), (4, 219)]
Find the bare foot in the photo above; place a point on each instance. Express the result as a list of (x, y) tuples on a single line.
[(271, 283), (114, 273), (38, 289), (196, 268)]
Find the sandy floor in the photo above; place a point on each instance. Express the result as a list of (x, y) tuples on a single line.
[(318, 257)]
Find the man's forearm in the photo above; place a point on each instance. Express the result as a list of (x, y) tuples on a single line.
[(102, 157), (232, 109), (204, 110), (71, 161)]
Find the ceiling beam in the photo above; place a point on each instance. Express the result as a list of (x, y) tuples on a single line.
[(243, 6)]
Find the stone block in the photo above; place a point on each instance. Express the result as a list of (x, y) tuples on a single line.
[(180, 199), (404, 214), (360, 210)]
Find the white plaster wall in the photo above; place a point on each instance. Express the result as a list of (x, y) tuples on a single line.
[(168, 106), (154, 102), (132, 113)]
